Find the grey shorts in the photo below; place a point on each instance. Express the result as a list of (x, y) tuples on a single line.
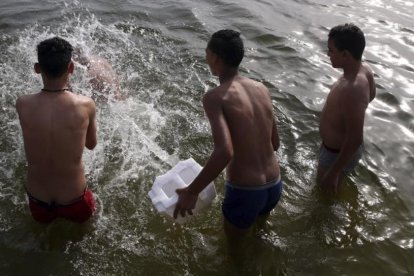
[(327, 157)]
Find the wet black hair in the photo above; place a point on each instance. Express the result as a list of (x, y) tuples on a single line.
[(54, 55), (228, 45), (348, 37)]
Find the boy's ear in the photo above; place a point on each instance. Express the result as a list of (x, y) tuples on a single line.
[(346, 54), (71, 67), (37, 68), (216, 59)]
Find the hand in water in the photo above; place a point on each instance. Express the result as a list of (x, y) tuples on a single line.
[(186, 202)]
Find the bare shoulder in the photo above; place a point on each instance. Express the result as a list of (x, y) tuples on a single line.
[(254, 85), (23, 100), (369, 74), (84, 101), (356, 92), (367, 69), (355, 86), (366, 75), (214, 95), (82, 98), (365, 79)]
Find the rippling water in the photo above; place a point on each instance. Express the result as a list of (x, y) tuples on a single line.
[(158, 51)]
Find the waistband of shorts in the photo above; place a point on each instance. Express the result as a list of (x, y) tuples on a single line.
[(53, 204), (330, 149), (337, 150), (265, 186)]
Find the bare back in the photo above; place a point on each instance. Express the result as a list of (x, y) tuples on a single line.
[(56, 127), (247, 108), (103, 77), (347, 100)]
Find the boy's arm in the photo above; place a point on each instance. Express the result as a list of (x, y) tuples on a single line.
[(275, 136), (372, 84), (219, 158), (223, 148), (275, 133), (371, 81), (353, 108), (18, 105), (91, 139)]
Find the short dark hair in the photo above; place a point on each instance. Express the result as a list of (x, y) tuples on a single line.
[(228, 45), (348, 37), (54, 55)]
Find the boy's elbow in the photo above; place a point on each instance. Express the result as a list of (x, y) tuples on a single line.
[(91, 144), (228, 154), (276, 145), (225, 153)]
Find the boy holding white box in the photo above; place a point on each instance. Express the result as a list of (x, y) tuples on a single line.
[(245, 138)]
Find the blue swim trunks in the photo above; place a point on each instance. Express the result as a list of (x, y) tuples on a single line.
[(243, 204), (328, 156)]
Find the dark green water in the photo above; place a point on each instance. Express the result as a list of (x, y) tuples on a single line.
[(157, 48)]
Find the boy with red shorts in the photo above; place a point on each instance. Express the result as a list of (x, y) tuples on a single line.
[(57, 125)]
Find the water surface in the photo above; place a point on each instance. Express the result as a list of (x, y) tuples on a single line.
[(157, 48)]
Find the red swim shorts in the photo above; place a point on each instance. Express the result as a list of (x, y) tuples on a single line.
[(80, 210)]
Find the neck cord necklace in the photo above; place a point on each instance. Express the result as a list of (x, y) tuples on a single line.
[(55, 90)]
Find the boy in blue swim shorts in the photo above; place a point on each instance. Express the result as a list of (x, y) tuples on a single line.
[(245, 137), (342, 119), (243, 204)]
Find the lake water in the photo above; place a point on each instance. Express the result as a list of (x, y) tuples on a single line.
[(157, 48)]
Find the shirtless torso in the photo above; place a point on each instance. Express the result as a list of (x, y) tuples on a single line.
[(347, 101), (56, 127), (245, 138), (342, 124), (242, 109)]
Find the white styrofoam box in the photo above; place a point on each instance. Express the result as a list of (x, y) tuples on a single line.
[(163, 195)]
